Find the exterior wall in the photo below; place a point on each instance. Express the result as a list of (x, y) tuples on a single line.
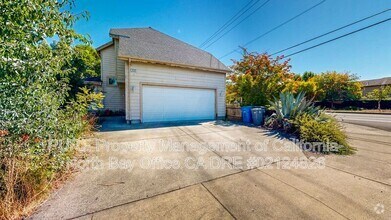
[(127, 92), (143, 73), (120, 65), (114, 95), (368, 89)]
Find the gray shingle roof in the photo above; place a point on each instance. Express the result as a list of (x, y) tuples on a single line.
[(150, 44), (377, 82)]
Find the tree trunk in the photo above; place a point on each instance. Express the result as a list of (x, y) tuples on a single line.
[(378, 105)]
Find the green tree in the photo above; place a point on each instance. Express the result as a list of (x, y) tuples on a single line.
[(85, 63), (308, 75), (380, 94), (33, 91), (334, 86), (297, 77), (257, 78), (309, 88)]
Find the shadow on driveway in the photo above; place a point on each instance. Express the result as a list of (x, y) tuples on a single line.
[(118, 123)]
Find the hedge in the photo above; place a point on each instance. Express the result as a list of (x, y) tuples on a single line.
[(354, 105)]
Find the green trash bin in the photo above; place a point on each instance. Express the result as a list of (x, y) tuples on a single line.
[(258, 115)]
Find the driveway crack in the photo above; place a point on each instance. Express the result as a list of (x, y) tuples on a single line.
[(222, 205)]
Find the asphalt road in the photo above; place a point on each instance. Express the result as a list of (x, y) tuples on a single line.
[(371, 120)]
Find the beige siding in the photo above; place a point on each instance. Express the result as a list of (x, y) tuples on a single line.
[(114, 95), (142, 73), (121, 70), (127, 91), (120, 65)]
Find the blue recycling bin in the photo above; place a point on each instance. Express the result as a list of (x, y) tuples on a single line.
[(246, 114)]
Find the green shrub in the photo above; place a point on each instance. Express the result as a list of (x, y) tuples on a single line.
[(299, 116), (37, 143), (38, 127), (324, 129), (288, 107)]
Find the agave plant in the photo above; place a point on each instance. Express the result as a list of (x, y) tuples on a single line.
[(289, 107)]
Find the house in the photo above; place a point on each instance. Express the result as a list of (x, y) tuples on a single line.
[(155, 77), (370, 85)]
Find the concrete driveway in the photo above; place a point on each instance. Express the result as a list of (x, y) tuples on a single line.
[(224, 171)]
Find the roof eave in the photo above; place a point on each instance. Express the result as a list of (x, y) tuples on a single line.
[(108, 44), (117, 36), (142, 60)]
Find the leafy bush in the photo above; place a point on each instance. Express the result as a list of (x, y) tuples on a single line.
[(85, 62), (38, 127), (37, 142), (299, 116), (309, 87), (324, 129)]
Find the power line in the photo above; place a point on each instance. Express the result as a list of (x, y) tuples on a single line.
[(342, 36), (230, 21), (322, 35), (238, 24), (275, 28)]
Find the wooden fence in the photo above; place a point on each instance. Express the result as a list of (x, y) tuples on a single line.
[(234, 113)]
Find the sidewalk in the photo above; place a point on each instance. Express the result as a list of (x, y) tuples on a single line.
[(375, 111)]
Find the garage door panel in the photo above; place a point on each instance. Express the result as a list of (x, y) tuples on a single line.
[(175, 104)]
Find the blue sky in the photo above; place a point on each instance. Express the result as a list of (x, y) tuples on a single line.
[(367, 53)]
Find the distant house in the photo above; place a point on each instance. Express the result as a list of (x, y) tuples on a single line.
[(155, 77), (370, 85)]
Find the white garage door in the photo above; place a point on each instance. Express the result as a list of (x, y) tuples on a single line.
[(177, 104)]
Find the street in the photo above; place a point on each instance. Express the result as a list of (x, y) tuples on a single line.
[(371, 120)]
